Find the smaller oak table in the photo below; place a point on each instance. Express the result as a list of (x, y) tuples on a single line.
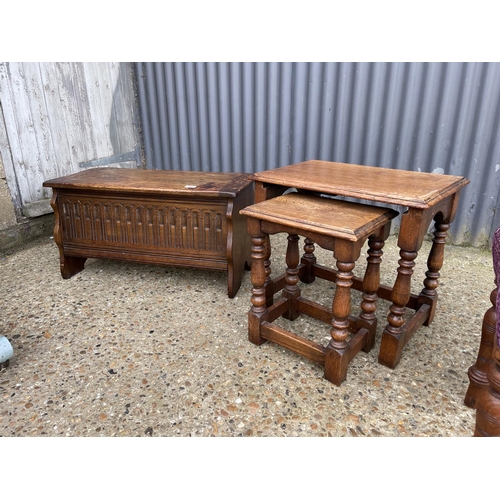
[(178, 218), (425, 197)]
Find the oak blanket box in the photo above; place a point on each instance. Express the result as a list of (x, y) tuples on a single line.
[(170, 217)]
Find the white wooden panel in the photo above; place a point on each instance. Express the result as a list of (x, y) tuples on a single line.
[(57, 115), (99, 93), (20, 129), (6, 159), (121, 132), (57, 123)]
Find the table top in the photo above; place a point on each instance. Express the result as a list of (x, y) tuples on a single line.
[(335, 218), (163, 182), (397, 187)]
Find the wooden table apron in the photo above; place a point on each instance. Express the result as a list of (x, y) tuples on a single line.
[(425, 197)]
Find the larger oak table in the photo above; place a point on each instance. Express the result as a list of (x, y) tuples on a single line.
[(424, 197)]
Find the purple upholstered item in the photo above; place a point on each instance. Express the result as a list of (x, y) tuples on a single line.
[(496, 267)]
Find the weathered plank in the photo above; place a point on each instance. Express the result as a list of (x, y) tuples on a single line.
[(57, 115)]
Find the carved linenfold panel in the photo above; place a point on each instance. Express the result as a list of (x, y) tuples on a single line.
[(155, 224)]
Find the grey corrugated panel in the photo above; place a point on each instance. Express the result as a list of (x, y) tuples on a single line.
[(145, 107), (161, 145), (248, 117), (477, 151)]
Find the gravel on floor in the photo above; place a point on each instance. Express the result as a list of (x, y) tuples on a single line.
[(125, 349)]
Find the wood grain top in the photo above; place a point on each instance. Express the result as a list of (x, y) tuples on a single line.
[(336, 218), (397, 187), (163, 182)]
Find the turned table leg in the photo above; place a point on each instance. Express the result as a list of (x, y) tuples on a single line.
[(488, 398), (478, 371), (434, 264), (258, 279), (392, 344), (267, 271), (337, 352), (488, 403), (371, 283), (291, 292), (308, 260)]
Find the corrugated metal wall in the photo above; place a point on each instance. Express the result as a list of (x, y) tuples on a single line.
[(248, 117)]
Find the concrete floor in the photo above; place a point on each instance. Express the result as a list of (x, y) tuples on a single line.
[(136, 350)]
